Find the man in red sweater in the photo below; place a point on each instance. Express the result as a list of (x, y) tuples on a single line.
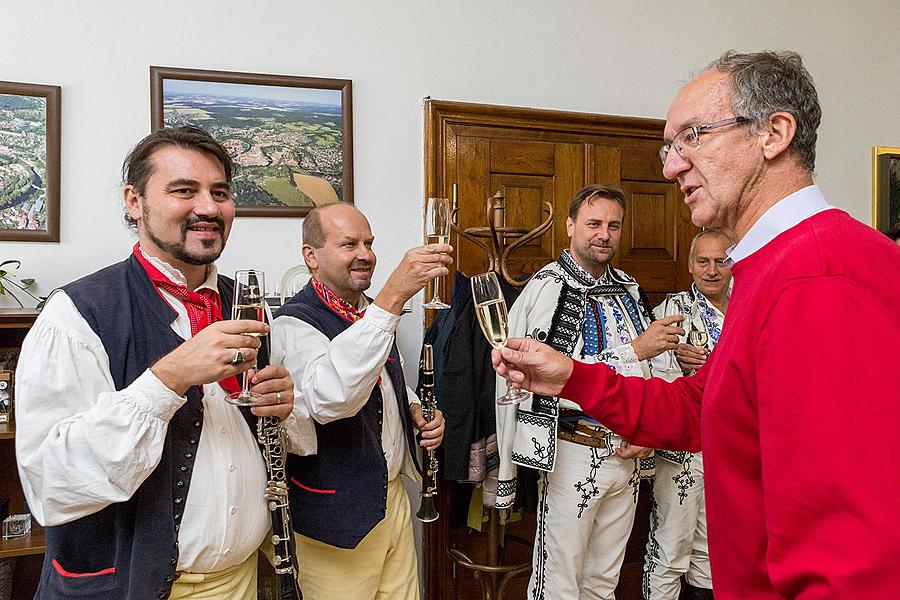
[(798, 402)]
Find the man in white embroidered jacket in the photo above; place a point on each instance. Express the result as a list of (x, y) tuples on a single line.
[(587, 492), (678, 544)]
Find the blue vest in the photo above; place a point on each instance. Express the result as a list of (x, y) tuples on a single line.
[(137, 538), (340, 493)]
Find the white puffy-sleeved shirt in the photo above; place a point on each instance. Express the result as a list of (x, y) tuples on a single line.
[(82, 445), (333, 379)]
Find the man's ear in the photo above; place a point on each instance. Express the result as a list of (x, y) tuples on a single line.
[(309, 256), (570, 226), (132, 201), (778, 134)]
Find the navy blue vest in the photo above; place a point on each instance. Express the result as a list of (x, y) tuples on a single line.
[(339, 494), (130, 547)]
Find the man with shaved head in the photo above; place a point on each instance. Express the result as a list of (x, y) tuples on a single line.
[(797, 404), (349, 509)]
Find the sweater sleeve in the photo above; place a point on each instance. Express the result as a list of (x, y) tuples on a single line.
[(648, 412), (828, 418)]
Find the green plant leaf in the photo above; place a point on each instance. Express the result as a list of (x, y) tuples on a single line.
[(27, 282)]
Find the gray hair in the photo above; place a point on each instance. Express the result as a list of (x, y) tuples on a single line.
[(768, 82), (704, 233)]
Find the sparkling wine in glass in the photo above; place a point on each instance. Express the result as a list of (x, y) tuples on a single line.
[(673, 307), (698, 338), (437, 231), (490, 308), (248, 303)]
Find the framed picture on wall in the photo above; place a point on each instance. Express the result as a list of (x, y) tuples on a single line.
[(29, 162), (885, 188), (290, 137)]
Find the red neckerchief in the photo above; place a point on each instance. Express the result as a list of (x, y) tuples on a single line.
[(203, 308), (338, 305)]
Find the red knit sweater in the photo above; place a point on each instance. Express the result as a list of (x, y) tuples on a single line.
[(800, 418)]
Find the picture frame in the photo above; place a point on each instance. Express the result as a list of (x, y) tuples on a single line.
[(29, 162), (291, 137), (885, 188)]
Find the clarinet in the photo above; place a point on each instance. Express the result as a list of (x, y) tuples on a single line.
[(269, 434), (427, 512)]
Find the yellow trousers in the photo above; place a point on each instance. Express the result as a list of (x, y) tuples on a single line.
[(234, 583), (383, 566)]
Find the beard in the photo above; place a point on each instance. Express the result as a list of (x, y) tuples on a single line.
[(179, 249), (587, 259)]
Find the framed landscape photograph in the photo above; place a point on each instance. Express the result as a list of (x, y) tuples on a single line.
[(885, 188), (29, 162), (290, 137)]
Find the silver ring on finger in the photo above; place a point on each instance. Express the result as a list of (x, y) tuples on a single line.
[(277, 397), (238, 358)]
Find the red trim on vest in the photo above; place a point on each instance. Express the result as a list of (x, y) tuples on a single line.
[(65, 573), (310, 489)]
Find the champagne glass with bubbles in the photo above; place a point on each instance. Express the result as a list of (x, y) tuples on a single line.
[(490, 308), (437, 231), (248, 303), (673, 306)]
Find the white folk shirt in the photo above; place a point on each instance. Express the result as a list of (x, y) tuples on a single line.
[(82, 445), (333, 379)]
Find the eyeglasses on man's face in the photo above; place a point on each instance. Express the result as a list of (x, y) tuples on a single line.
[(690, 136)]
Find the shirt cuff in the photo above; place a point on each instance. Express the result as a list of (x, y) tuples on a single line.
[(381, 318), (152, 395)]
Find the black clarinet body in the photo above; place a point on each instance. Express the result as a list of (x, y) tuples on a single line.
[(269, 434), (427, 511)]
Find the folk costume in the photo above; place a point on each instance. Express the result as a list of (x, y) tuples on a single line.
[(136, 486), (678, 543), (586, 493), (789, 408), (349, 509)]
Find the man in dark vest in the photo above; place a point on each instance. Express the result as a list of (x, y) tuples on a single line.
[(349, 508), (149, 484)]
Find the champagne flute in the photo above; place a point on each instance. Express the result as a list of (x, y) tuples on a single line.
[(490, 308), (437, 231), (248, 303), (673, 307), (698, 338)]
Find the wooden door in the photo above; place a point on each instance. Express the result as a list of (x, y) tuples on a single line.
[(532, 157)]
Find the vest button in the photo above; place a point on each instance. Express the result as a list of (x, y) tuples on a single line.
[(188, 455), (180, 483), (193, 441), (163, 595), (183, 469), (178, 499), (196, 423), (177, 516), (169, 579), (173, 561)]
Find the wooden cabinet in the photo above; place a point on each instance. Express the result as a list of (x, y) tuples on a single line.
[(27, 553)]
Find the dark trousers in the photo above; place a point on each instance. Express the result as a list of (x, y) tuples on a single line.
[(694, 593)]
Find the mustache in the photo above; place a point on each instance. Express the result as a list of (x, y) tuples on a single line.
[(358, 264), (197, 219)]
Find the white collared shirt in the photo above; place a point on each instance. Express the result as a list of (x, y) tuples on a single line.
[(82, 445), (786, 213), (333, 379)]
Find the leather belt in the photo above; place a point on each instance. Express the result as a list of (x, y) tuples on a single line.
[(584, 435)]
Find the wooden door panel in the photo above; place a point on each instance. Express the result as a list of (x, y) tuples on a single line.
[(652, 249), (523, 157), (474, 188), (525, 197)]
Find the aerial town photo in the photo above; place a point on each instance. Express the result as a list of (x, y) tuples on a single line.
[(23, 162), (286, 142)]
